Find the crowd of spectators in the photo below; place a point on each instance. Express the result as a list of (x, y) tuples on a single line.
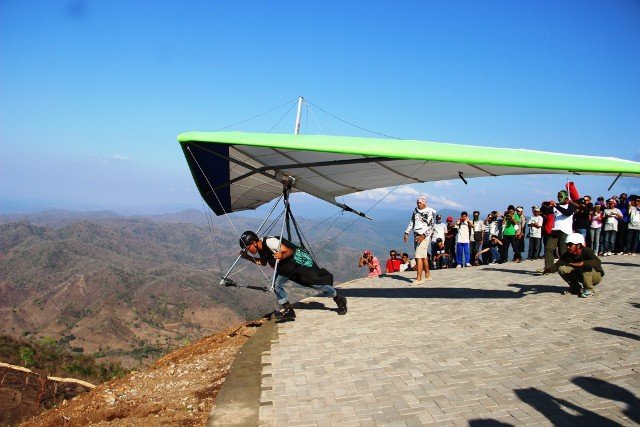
[(610, 227)]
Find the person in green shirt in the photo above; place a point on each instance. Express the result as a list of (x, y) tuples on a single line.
[(511, 218)]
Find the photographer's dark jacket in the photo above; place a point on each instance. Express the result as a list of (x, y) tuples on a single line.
[(590, 259)]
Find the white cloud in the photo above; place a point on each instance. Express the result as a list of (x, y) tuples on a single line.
[(405, 194), (442, 202), (400, 193), (443, 183)]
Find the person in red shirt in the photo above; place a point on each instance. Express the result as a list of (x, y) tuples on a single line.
[(393, 263)]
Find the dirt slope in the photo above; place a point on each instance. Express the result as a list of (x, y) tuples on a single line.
[(178, 389)]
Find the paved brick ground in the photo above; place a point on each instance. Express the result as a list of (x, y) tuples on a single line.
[(476, 346)]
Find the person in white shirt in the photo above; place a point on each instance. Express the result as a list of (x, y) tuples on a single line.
[(439, 231), (408, 264), (465, 228), (562, 226), (633, 232), (611, 216), (535, 234), (421, 223)]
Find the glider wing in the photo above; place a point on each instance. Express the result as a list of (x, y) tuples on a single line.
[(236, 171)]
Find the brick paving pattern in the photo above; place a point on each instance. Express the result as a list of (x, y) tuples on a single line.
[(476, 346)]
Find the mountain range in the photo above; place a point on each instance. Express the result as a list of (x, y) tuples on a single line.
[(126, 288)]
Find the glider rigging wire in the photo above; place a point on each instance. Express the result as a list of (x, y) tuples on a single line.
[(351, 124), (282, 118), (257, 115)]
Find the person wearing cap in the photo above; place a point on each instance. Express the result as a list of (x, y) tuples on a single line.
[(290, 264), (421, 223), (441, 255), (478, 234), (535, 233), (370, 261), (612, 216), (450, 238), (562, 226), (579, 266)]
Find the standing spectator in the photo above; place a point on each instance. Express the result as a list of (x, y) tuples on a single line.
[(493, 248), (633, 232), (493, 227), (464, 228), (478, 234), (520, 231), (439, 231), (421, 223), (581, 215), (535, 234), (370, 261), (595, 227), (408, 264), (441, 255), (623, 224), (450, 237), (562, 226), (511, 218), (612, 215), (393, 263)]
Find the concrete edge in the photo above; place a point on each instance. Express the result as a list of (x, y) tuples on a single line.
[(238, 401)]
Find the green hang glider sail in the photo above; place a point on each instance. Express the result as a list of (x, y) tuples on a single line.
[(236, 171)]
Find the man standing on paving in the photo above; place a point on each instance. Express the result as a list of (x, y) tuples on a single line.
[(578, 265), (421, 223), (293, 264)]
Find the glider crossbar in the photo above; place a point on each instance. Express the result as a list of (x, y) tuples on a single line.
[(263, 171), (296, 166)]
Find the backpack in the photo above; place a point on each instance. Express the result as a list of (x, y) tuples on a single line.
[(301, 268)]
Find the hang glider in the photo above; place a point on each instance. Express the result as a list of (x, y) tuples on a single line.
[(237, 171)]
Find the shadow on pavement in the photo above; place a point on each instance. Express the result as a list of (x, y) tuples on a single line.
[(397, 277), (537, 289), (508, 270), (561, 412), (312, 305), (621, 264), (617, 333), (488, 423), (635, 304), (429, 293), (611, 391)]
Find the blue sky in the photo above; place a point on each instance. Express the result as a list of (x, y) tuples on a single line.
[(94, 93)]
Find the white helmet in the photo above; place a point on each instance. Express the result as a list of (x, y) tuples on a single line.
[(575, 238)]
